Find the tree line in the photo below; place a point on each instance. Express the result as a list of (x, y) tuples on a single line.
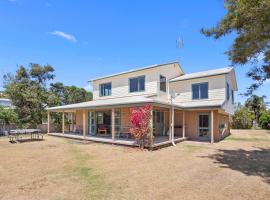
[(31, 90), (253, 113)]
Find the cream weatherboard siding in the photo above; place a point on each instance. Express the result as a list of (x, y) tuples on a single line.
[(228, 104), (120, 83), (216, 88)]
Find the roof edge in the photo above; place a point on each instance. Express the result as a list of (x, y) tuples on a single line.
[(135, 70)]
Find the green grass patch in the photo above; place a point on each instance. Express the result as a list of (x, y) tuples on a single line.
[(246, 139), (193, 148), (94, 186)]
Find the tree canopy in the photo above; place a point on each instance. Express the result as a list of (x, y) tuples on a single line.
[(250, 20), (31, 91)]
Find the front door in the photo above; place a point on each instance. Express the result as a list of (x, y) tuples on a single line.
[(158, 122), (204, 126)]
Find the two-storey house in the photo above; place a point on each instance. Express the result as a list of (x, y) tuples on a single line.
[(193, 106)]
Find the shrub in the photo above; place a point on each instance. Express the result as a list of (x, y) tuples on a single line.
[(140, 118), (264, 120), (242, 119)]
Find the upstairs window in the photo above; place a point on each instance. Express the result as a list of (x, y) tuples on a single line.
[(137, 84), (232, 97), (162, 83), (105, 89), (228, 91), (200, 91)]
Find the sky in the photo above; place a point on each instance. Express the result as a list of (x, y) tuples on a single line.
[(84, 39)]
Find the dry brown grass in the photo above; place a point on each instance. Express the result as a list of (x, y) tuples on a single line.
[(58, 168)]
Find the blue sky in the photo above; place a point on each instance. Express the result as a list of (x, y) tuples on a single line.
[(87, 39)]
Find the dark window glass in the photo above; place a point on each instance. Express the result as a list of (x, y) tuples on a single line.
[(228, 91), (200, 91), (162, 80), (195, 91), (204, 91), (137, 84), (105, 89)]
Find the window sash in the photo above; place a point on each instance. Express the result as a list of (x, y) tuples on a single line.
[(228, 91), (200, 91), (105, 89), (162, 86), (137, 84)]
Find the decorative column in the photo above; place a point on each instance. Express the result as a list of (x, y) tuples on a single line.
[(48, 123), (212, 127), (84, 123), (183, 125), (63, 122), (113, 124)]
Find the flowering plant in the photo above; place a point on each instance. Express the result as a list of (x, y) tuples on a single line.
[(140, 118)]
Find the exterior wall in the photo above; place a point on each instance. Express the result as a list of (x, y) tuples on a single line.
[(223, 131), (216, 88), (79, 120), (120, 83), (191, 120), (125, 117), (228, 105)]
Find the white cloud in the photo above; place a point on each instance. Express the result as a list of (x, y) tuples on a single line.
[(88, 87), (64, 35)]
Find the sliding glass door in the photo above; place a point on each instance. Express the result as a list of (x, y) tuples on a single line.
[(204, 125)]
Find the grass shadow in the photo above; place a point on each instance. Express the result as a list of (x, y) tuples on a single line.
[(249, 162)]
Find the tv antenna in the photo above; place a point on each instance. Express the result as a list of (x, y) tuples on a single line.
[(179, 42)]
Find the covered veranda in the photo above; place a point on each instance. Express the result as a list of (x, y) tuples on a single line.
[(111, 124)]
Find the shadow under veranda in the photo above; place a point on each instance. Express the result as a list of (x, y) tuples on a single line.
[(254, 162)]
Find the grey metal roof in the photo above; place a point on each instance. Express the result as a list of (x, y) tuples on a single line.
[(134, 70), (137, 100), (201, 104), (203, 74), (107, 102)]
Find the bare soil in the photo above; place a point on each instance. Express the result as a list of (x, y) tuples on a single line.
[(57, 168)]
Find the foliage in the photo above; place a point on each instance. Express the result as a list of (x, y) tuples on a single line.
[(140, 118), (256, 104), (264, 120), (31, 93), (27, 90), (7, 116), (242, 118), (250, 20), (62, 95)]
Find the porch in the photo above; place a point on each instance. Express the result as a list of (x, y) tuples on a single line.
[(157, 141), (111, 125)]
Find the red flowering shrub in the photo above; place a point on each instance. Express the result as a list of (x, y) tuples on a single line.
[(140, 118)]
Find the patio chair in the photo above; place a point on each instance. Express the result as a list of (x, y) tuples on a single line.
[(102, 129)]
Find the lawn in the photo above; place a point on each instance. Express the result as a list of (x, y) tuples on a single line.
[(58, 168)]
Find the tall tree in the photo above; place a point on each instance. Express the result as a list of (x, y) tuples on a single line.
[(250, 20), (28, 91), (256, 104)]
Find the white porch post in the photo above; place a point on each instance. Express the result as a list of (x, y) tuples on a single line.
[(63, 122), (172, 123), (152, 127), (84, 124), (212, 127), (183, 125), (113, 124), (48, 124)]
